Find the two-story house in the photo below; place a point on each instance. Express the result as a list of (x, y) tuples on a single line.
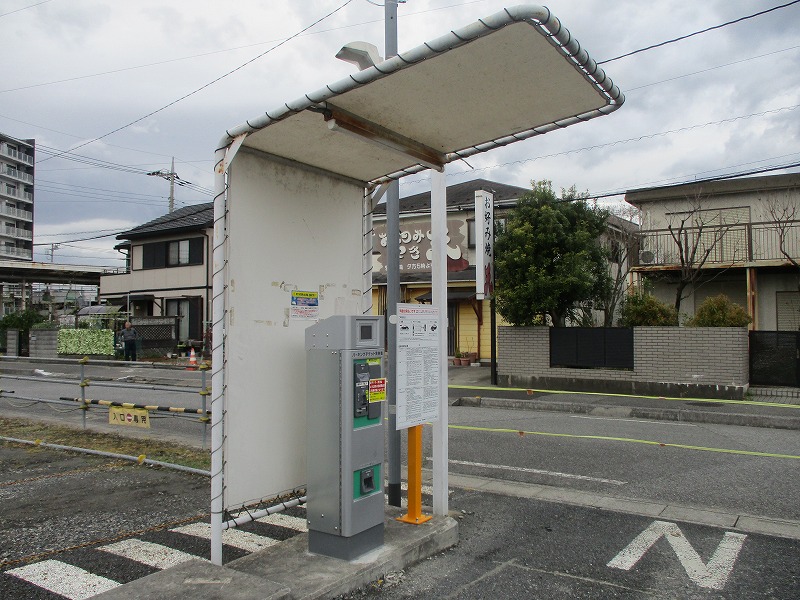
[(168, 270), (740, 237), (468, 318)]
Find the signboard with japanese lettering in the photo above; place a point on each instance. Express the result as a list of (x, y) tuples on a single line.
[(484, 245), (415, 247), (305, 306), (131, 417), (418, 364)]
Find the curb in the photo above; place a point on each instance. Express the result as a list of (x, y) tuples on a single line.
[(658, 414)]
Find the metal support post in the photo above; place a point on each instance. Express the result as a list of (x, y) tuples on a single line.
[(392, 290), (84, 383), (414, 514)]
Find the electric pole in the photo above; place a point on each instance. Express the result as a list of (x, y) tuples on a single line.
[(169, 176)]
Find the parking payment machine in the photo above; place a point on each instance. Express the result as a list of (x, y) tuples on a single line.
[(346, 390)]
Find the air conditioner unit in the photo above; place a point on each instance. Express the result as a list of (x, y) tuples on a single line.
[(646, 257)]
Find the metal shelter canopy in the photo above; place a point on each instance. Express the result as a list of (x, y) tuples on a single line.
[(508, 77)]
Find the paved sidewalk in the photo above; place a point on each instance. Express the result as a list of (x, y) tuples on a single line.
[(471, 386)]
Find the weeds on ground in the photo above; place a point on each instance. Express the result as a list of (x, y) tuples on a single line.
[(66, 436)]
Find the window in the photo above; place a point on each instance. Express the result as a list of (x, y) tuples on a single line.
[(470, 233), (158, 255), (178, 253)]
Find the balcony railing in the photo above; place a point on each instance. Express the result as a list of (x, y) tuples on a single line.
[(17, 174), (16, 155), (741, 244), (16, 194), (16, 252), (16, 232), (16, 213)]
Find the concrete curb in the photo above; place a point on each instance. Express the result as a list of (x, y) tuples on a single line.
[(659, 414), (784, 528)]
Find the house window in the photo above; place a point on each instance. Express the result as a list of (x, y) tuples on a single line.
[(190, 316), (470, 233), (158, 255), (178, 253)]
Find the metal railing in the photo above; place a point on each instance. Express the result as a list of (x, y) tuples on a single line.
[(15, 252), (16, 155), (744, 243), (16, 232), (17, 174), (17, 213)]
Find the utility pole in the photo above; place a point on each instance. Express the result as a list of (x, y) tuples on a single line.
[(169, 176), (53, 248), (392, 286)]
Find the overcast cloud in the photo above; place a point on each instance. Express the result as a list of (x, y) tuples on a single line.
[(74, 70)]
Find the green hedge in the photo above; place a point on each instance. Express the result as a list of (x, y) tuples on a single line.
[(86, 341)]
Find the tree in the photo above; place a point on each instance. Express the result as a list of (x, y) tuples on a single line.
[(548, 258), (785, 214), (698, 235)]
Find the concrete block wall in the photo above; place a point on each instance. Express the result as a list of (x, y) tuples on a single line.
[(44, 343), (708, 362)]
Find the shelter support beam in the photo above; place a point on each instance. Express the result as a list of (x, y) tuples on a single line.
[(439, 299), (344, 122)]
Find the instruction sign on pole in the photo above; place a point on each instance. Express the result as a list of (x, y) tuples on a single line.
[(418, 357)]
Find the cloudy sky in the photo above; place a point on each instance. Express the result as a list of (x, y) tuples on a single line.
[(138, 76)]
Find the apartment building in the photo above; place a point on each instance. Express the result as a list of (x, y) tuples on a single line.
[(16, 198)]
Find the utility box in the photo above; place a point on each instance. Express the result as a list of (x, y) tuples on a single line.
[(345, 394)]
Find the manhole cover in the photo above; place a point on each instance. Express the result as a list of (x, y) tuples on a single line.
[(712, 404)]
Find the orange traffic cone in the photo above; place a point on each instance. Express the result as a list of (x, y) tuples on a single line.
[(192, 361)]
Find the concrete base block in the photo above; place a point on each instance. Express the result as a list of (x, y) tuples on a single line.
[(199, 580), (289, 570)]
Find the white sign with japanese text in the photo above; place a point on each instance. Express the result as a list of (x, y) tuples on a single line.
[(484, 245), (418, 366)]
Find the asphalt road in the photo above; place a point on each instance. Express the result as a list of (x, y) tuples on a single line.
[(74, 510), (75, 525)]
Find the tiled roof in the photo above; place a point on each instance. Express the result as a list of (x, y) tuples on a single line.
[(190, 218), (458, 195)]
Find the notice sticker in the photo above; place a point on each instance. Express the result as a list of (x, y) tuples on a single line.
[(377, 390), (305, 306)]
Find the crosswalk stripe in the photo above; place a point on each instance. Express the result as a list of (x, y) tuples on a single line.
[(148, 553), (287, 521), (64, 579), (244, 540)]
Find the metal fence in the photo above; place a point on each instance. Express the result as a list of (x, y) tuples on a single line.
[(775, 358), (591, 347)]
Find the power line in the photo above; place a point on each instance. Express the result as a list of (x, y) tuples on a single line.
[(233, 49), (618, 142), (11, 12), (706, 30), (209, 84)]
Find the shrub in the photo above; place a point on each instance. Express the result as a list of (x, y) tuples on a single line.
[(86, 341), (643, 309), (719, 311)]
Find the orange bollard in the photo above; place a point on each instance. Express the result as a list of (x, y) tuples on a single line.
[(414, 514)]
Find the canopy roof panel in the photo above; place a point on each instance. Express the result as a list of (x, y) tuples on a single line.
[(511, 76)]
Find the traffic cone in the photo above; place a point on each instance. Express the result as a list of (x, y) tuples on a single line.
[(192, 361)]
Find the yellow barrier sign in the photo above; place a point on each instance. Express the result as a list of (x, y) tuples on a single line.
[(131, 417)]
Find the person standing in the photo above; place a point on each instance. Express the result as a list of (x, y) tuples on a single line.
[(129, 337)]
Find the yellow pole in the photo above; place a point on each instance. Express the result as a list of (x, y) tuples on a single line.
[(414, 514)]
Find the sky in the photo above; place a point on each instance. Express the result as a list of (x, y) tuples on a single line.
[(113, 90)]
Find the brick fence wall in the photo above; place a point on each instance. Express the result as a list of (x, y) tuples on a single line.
[(710, 362), (44, 343)]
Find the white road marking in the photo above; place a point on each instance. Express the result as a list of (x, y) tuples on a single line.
[(287, 521), (64, 579), (244, 540), (539, 472), (713, 575), (148, 553), (643, 421)]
